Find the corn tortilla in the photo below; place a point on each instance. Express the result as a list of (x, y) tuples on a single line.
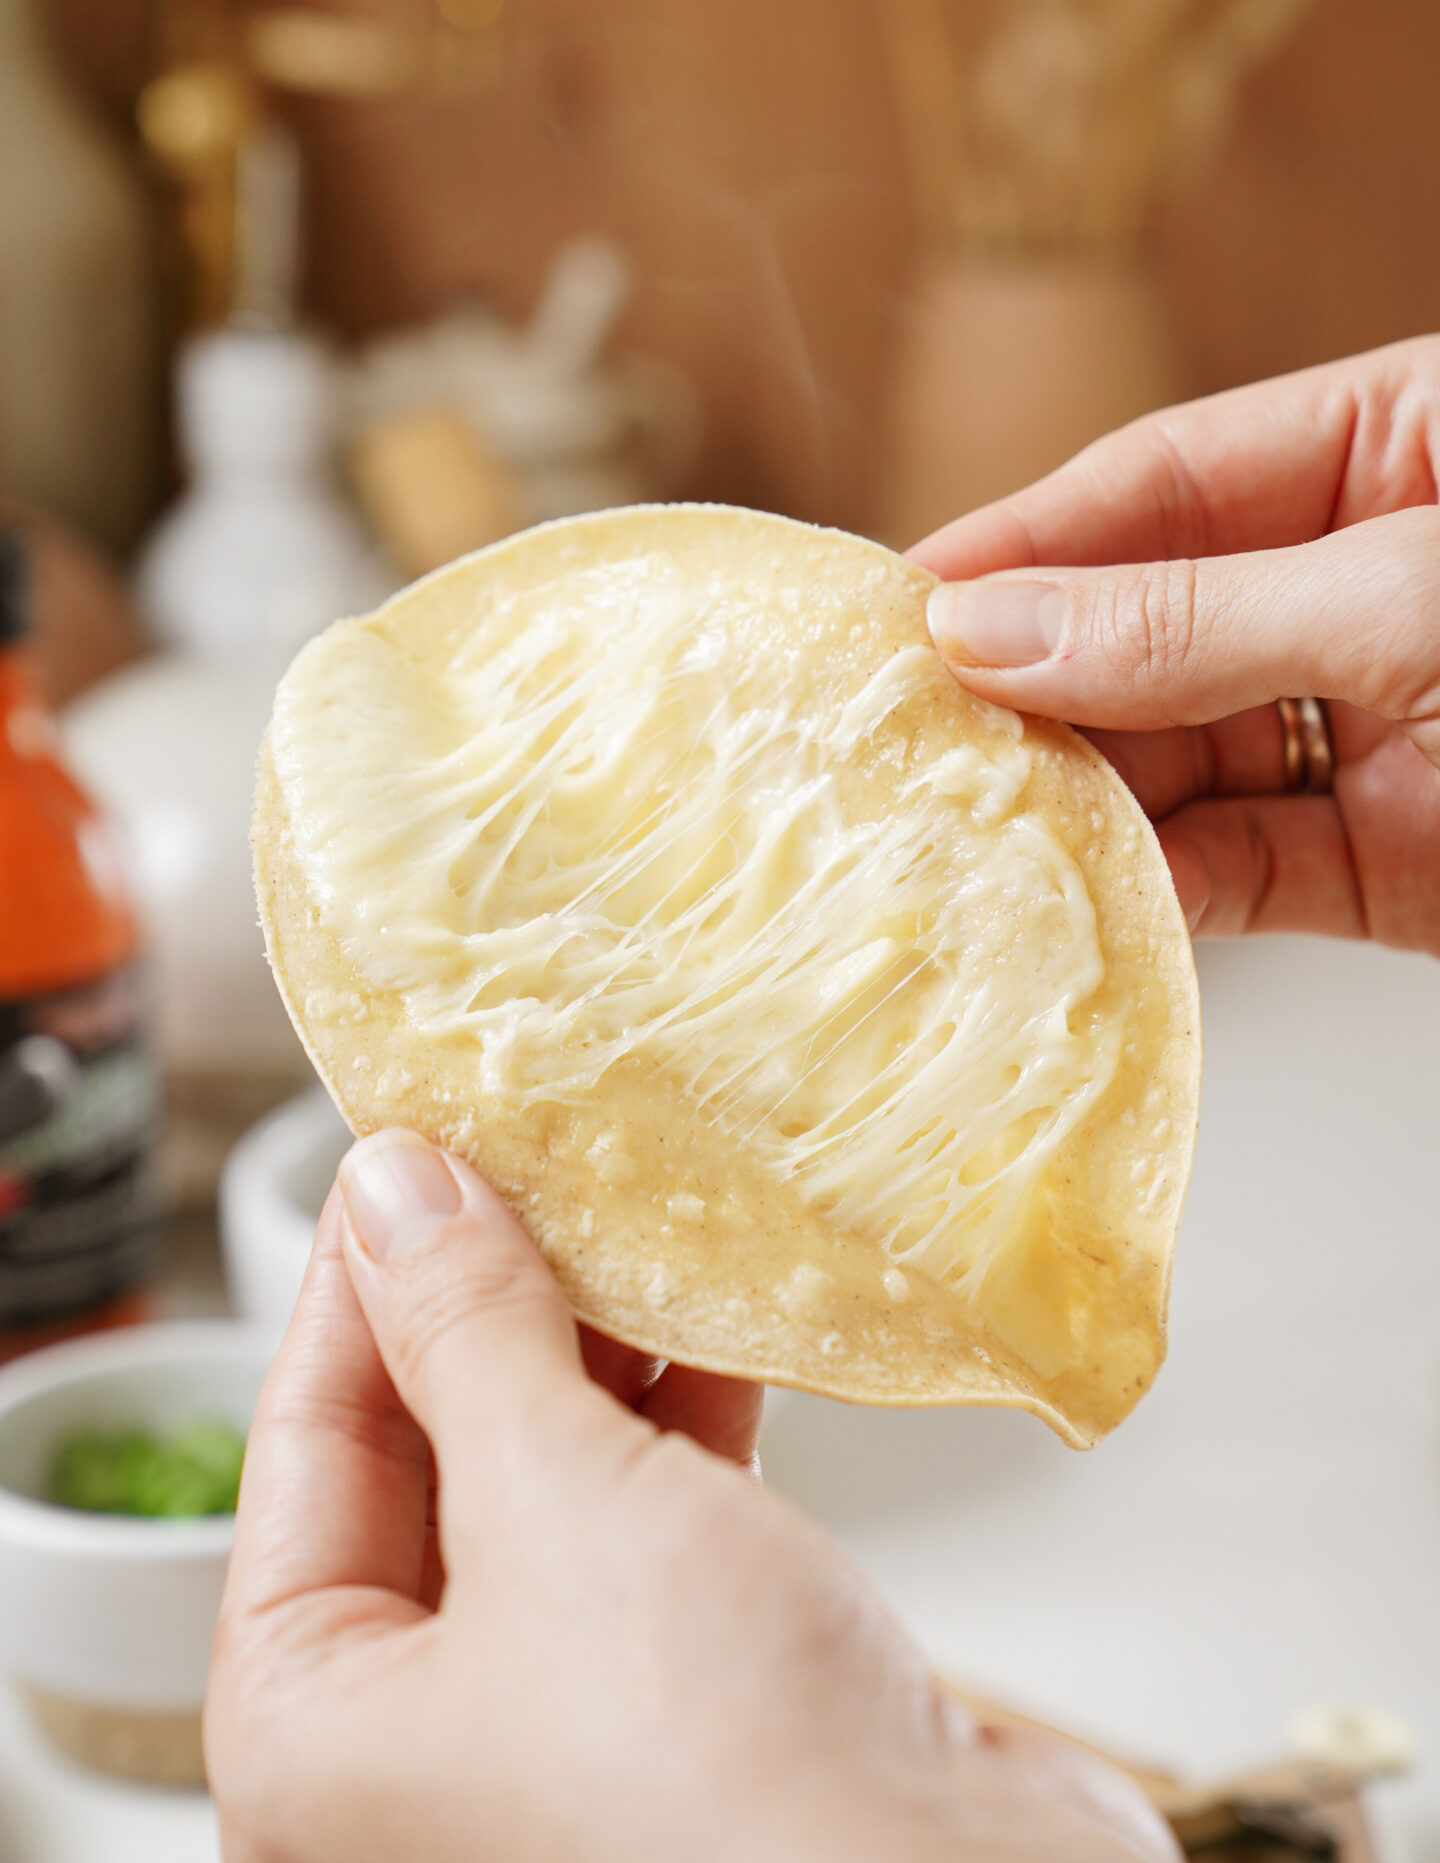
[(770, 1168)]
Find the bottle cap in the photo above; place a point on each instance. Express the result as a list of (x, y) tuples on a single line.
[(14, 589)]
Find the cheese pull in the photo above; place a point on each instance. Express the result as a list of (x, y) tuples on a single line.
[(824, 1024)]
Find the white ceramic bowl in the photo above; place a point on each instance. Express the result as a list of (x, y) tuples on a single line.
[(271, 1189), (100, 1609)]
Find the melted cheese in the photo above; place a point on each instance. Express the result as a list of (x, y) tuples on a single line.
[(624, 820)]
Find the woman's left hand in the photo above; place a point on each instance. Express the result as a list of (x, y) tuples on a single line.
[(601, 1638)]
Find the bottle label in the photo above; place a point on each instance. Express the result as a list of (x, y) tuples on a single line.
[(79, 1098)]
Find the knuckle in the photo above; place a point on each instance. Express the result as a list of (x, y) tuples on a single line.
[(1402, 680), (1144, 620), (238, 1720), (456, 1279), (1260, 872), (268, 1676), (1181, 506), (364, 1419), (1423, 351), (1418, 565)]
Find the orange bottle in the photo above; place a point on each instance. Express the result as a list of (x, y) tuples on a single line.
[(78, 1090)]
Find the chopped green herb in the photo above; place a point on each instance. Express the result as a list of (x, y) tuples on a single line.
[(193, 1471)]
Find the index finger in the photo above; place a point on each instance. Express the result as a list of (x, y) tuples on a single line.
[(1277, 463), (336, 1474)]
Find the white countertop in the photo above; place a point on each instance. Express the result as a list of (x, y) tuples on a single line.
[(1264, 1532)]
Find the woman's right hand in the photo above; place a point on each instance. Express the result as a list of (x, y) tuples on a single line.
[(1172, 581)]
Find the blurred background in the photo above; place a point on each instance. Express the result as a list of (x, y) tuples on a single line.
[(297, 302), (782, 182), (778, 182)]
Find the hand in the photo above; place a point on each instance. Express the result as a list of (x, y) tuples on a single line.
[(1281, 540), (602, 1640)]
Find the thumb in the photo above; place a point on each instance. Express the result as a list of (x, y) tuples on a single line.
[(1355, 616), (470, 1322)]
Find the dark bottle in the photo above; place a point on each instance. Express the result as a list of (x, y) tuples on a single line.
[(78, 1090)]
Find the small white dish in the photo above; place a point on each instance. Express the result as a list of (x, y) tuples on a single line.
[(271, 1190), (107, 1619)]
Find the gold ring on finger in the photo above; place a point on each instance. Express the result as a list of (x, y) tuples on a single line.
[(1309, 748)]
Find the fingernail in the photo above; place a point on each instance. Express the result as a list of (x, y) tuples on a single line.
[(395, 1187), (996, 623)]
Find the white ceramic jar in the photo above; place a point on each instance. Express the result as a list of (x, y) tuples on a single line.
[(271, 1191), (107, 1620)]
